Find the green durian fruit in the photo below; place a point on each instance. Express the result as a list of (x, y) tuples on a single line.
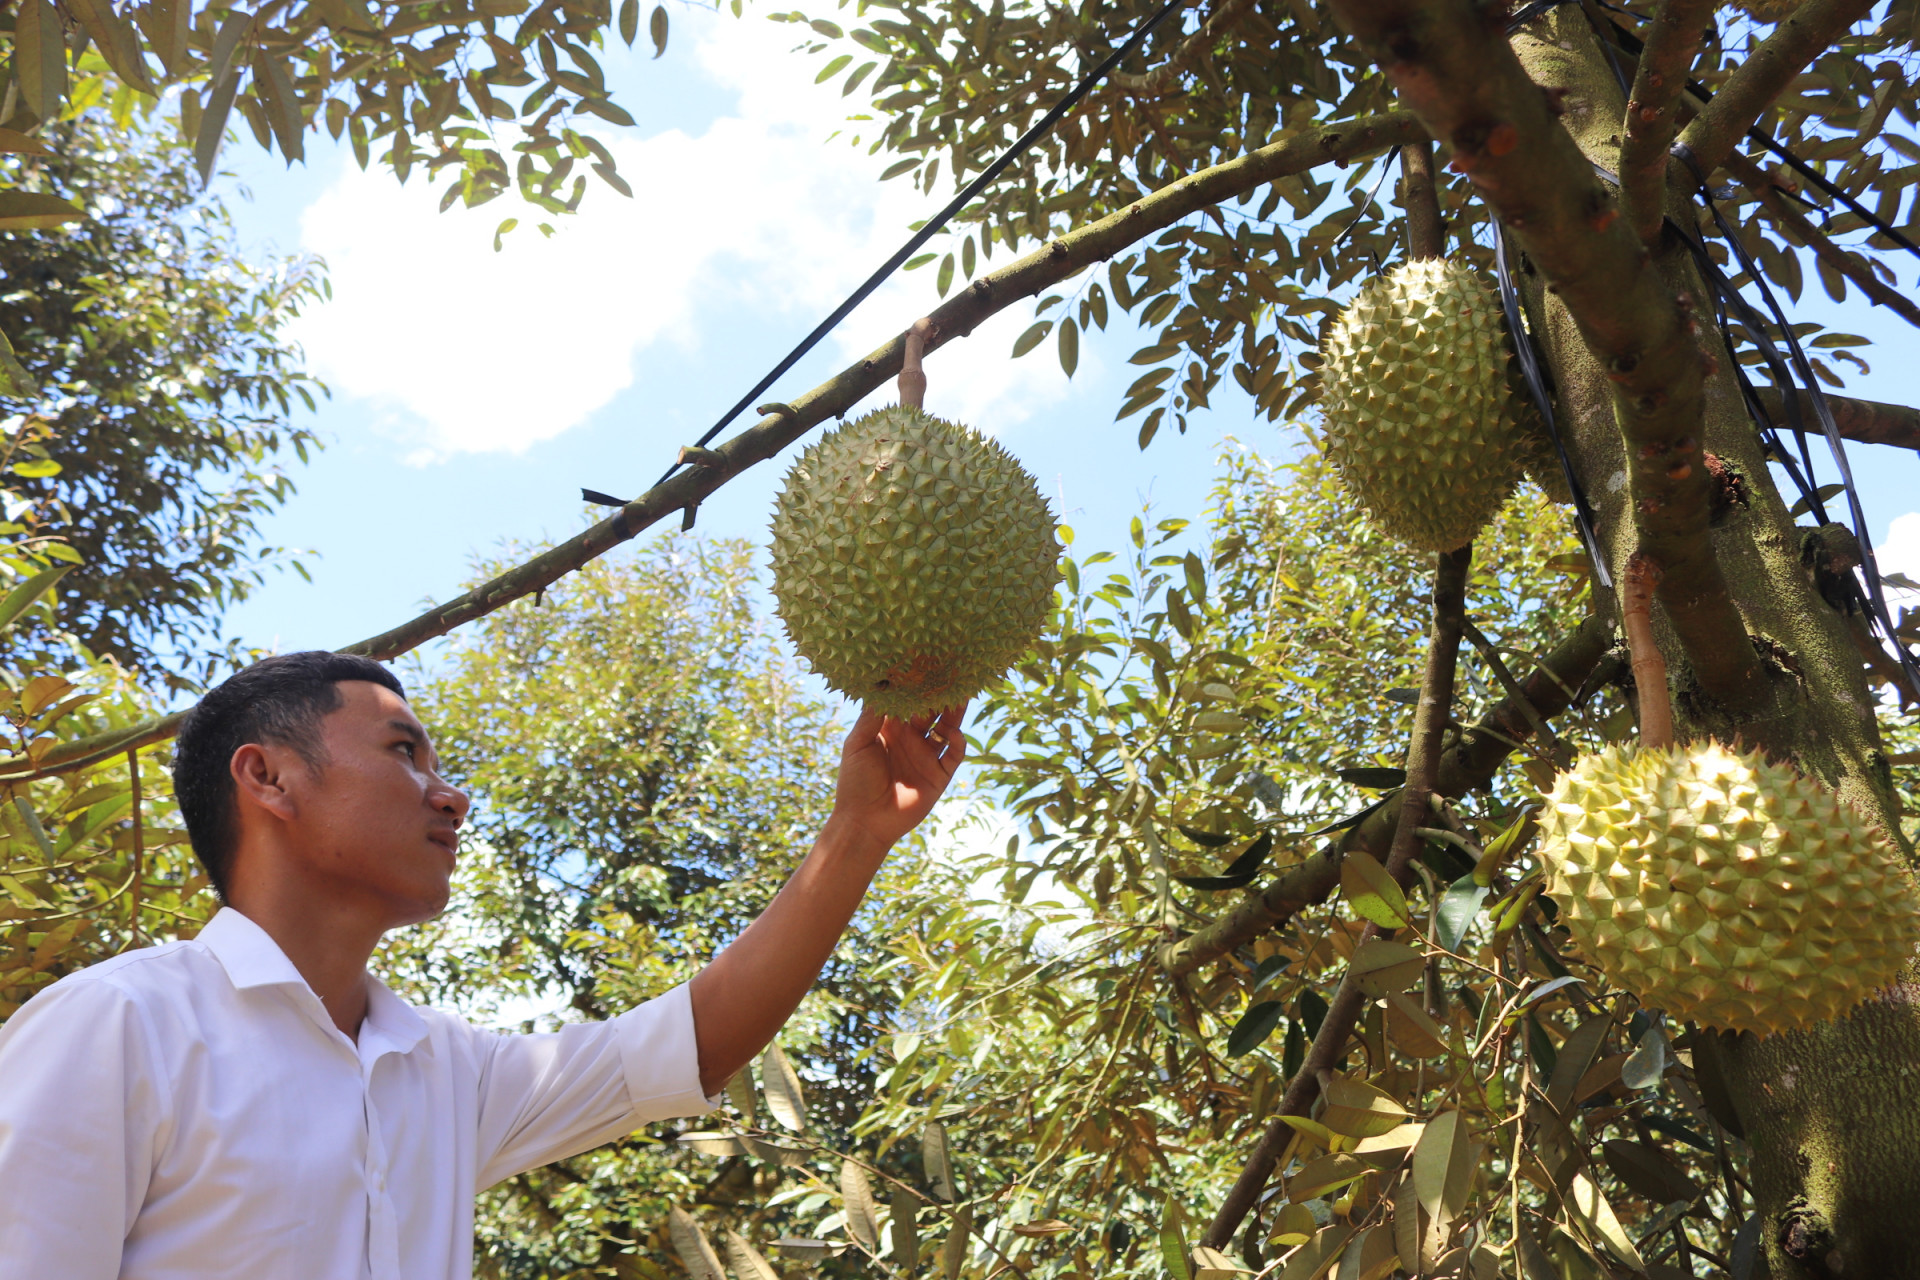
[(1724, 888), (914, 560), (1423, 420)]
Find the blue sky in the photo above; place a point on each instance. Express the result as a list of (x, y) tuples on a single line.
[(475, 392)]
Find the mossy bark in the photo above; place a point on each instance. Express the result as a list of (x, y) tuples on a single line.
[(1832, 1117)]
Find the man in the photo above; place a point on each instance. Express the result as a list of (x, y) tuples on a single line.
[(252, 1103)]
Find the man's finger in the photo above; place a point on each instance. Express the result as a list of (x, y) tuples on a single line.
[(865, 731)]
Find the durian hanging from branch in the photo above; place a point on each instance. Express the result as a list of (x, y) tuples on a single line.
[(914, 559), (1423, 419), (1715, 884)]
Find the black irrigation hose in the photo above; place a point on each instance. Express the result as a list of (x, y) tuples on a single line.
[(1543, 401), (1633, 44), (932, 228), (1869, 568)]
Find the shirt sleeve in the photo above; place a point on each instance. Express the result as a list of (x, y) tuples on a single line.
[(80, 1122), (549, 1096)]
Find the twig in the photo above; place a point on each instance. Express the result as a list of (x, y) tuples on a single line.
[(1652, 108), (1423, 768)]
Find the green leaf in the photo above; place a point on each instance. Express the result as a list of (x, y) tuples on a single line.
[(1443, 1144), (35, 211), (1255, 1025), (1240, 872), (953, 1253), (1458, 906), (936, 1160), (1356, 1109), (1603, 1226), (1506, 846), (1173, 1242), (833, 68), (1826, 493), (1371, 892), (114, 37), (629, 21), (1383, 965), (903, 1231), (1069, 345), (782, 1087), (748, 1262), (863, 1215), (1647, 1063), (943, 280), (1324, 1174), (690, 1242), (1031, 338), (18, 600), (15, 381), (1648, 1171), (40, 57), (657, 31), (899, 167)]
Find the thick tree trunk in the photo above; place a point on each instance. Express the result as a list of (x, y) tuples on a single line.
[(1832, 1116)]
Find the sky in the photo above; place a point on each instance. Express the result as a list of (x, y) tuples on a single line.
[(475, 392)]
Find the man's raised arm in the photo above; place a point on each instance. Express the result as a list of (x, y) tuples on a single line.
[(891, 773)]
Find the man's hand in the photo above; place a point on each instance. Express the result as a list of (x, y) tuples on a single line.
[(893, 771), (891, 774)]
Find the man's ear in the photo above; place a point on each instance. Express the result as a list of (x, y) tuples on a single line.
[(261, 774)]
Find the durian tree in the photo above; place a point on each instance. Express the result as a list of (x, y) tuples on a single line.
[(1200, 189), (1207, 177)]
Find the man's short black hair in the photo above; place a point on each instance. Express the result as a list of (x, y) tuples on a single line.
[(279, 700)]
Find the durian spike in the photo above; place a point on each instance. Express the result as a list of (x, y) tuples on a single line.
[(913, 379), (1649, 668)]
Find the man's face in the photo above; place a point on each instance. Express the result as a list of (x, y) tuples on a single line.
[(377, 822)]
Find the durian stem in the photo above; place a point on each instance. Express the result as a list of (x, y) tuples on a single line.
[(1423, 768), (913, 378), (1649, 668), (1420, 197)]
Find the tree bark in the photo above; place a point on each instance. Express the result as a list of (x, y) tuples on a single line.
[(1832, 1116)]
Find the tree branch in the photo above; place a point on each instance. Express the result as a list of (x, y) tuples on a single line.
[(1449, 61), (1652, 108), (1753, 86), (1867, 421), (1798, 228), (1423, 766), (1467, 765), (1058, 260)]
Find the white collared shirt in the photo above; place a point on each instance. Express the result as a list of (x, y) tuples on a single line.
[(190, 1112)]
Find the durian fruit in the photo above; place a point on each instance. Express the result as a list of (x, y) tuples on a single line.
[(1421, 412), (1726, 889), (913, 560)]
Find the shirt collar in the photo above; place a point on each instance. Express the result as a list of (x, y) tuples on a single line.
[(253, 959)]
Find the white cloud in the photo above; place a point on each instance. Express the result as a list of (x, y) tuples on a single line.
[(462, 349), (1900, 553)]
